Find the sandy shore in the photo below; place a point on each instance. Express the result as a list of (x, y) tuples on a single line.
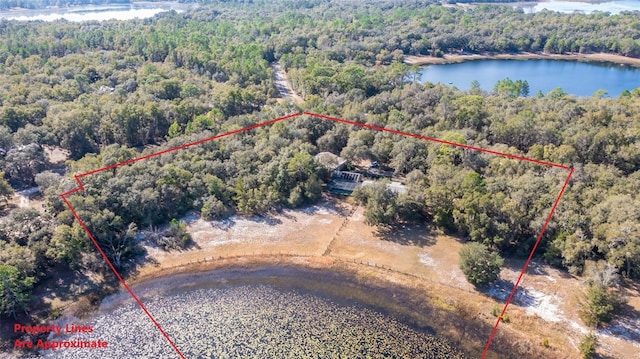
[(450, 59), (332, 238), (411, 263)]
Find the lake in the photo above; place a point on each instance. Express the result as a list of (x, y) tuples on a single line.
[(577, 78), (263, 316), (95, 13), (613, 7)]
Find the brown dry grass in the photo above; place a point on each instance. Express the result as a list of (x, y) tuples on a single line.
[(333, 237), (323, 237)]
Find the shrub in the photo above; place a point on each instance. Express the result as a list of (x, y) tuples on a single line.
[(588, 345), (495, 310), (480, 266), (176, 236), (505, 318), (545, 343), (599, 304), (214, 208)]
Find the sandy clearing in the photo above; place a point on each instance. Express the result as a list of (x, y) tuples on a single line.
[(332, 232), (453, 58)]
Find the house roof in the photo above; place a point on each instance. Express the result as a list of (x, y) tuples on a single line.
[(330, 160)]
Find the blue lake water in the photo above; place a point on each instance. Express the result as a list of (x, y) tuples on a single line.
[(95, 13), (576, 78), (613, 7)]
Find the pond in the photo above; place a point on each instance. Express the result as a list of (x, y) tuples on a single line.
[(613, 7), (277, 313), (95, 13), (577, 78)]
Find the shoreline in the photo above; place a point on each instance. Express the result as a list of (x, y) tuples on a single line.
[(330, 245), (455, 58), (411, 299)]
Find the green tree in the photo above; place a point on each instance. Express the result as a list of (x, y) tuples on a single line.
[(588, 345), (67, 244), (15, 290), (381, 207), (5, 189), (599, 304), (480, 266), (174, 130), (23, 163)]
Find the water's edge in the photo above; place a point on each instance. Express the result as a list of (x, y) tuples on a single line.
[(395, 301)]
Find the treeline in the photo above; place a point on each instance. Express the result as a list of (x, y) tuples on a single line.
[(111, 91), (364, 31)]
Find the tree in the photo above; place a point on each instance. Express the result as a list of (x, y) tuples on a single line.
[(480, 266), (381, 207), (5, 189), (359, 146), (15, 290), (599, 304), (67, 244), (213, 208), (524, 89), (174, 130), (23, 163)]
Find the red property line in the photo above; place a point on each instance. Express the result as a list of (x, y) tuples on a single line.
[(522, 158), (84, 226), (526, 264), (335, 119), (437, 140)]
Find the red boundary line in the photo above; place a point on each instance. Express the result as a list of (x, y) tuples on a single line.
[(335, 119)]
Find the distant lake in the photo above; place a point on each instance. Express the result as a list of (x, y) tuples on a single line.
[(95, 13), (576, 78), (613, 7)]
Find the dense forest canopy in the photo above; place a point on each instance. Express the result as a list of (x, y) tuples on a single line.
[(111, 91)]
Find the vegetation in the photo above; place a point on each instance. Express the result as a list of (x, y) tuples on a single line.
[(6, 191), (600, 302), (380, 203), (480, 266), (14, 290), (588, 345), (176, 236), (112, 91), (600, 305)]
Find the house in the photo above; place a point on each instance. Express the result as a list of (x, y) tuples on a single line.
[(330, 161)]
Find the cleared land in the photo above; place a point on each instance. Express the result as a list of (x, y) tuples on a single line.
[(333, 236)]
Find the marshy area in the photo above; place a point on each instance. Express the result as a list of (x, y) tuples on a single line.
[(267, 312)]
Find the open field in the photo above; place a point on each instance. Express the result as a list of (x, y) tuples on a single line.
[(333, 236)]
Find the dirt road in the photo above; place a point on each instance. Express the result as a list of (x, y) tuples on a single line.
[(283, 85)]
